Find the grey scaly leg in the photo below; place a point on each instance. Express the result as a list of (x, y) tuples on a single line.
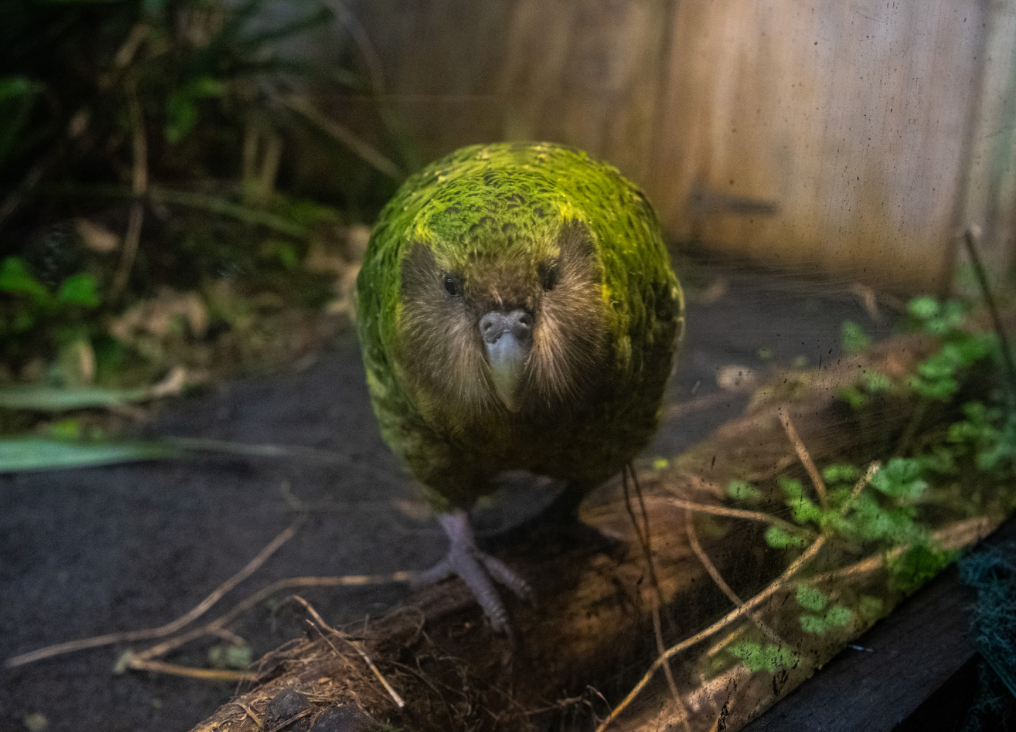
[(476, 569)]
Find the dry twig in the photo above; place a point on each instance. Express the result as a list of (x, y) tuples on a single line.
[(953, 536), (360, 147), (714, 573), (734, 615), (645, 542), (147, 660), (170, 628), (969, 238), (859, 486), (289, 583), (202, 674), (738, 513), (139, 187), (323, 626), (249, 712), (743, 608), (802, 454)]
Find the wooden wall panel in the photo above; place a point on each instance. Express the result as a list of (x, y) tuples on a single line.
[(847, 137), (850, 118), (989, 191)]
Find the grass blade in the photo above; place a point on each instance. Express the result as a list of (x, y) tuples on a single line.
[(53, 399), (35, 453)]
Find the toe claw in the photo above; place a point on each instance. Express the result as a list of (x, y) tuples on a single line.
[(506, 577), (470, 568)]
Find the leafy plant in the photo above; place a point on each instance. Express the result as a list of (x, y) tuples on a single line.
[(77, 290), (34, 317), (938, 377), (821, 616), (870, 382), (777, 538), (891, 514), (988, 435), (112, 111), (853, 337), (764, 656)]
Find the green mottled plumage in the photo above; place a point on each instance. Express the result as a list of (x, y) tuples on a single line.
[(511, 209)]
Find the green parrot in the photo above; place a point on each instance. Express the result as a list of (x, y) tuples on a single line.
[(516, 310)]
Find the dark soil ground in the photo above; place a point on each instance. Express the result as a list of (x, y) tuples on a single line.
[(89, 552)]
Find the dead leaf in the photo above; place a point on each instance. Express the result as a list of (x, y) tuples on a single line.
[(96, 237), (156, 316), (173, 384)]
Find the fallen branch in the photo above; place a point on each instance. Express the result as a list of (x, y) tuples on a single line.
[(600, 612)]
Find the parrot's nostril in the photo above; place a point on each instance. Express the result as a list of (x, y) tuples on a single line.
[(492, 325), (520, 324)]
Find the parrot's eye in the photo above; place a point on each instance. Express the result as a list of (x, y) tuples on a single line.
[(452, 285), (548, 275)]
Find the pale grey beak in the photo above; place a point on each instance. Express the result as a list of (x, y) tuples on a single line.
[(508, 338)]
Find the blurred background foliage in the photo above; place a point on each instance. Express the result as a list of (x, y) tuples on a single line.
[(160, 204)]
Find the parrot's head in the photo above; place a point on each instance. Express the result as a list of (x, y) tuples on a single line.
[(501, 309)]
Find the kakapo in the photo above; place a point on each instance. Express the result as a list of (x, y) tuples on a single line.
[(516, 310)]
